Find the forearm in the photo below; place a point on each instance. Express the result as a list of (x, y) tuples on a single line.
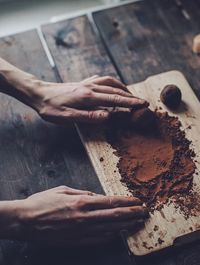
[(10, 219), (18, 84)]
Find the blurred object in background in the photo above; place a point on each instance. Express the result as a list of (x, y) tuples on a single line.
[(20, 15)]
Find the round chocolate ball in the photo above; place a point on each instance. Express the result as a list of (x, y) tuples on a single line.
[(143, 119), (171, 96)]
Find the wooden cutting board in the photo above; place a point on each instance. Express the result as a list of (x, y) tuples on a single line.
[(167, 226)]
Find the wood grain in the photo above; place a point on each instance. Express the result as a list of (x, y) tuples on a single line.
[(35, 152), (62, 57), (135, 36), (76, 50), (36, 156), (149, 37), (171, 222)]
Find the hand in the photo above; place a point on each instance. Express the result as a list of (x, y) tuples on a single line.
[(62, 102), (83, 101), (76, 217)]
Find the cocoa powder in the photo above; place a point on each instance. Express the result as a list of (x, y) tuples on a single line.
[(157, 163)]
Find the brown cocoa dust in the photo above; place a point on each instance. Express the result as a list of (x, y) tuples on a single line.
[(156, 163)]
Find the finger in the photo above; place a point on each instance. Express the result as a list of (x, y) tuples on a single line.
[(110, 81), (119, 214), (75, 115), (90, 116), (118, 101), (71, 191), (111, 90), (109, 202)]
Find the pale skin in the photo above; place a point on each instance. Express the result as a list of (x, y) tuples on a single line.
[(62, 214)]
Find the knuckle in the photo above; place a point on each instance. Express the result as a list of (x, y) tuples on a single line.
[(93, 87), (109, 78), (69, 114), (92, 115), (116, 99), (43, 111), (63, 188), (78, 218), (81, 202), (87, 93), (89, 193), (116, 213)]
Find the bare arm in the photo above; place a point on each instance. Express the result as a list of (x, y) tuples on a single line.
[(63, 214), (62, 102), (71, 217), (18, 84)]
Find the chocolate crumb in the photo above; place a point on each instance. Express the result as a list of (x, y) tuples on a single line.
[(150, 234), (160, 241), (145, 245), (155, 163), (155, 228)]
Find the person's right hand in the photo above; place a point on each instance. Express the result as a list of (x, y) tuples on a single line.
[(69, 216)]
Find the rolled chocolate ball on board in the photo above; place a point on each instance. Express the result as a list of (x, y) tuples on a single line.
[(171, 96), (143, 119)]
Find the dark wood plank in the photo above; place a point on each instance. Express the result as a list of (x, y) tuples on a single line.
[(78, 53), (146, 38), (36, 155), (149, 37), (76, 50)]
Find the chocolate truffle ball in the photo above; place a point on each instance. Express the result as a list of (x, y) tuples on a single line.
[(143, 119), (171, 96)]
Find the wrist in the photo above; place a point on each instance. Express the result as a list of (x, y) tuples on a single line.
[(22, 86), (10, 221), (19, 84)]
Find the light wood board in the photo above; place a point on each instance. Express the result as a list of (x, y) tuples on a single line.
[(170, 221)]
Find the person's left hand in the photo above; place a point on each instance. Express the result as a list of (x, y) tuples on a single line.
[(83, 101)]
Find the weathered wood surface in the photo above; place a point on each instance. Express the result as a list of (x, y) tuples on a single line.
[(171, 222), (146, 38), (76, 50), (62, 56), (150, 37), (36, 156)]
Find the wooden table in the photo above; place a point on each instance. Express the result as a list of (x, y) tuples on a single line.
[(130, 42)]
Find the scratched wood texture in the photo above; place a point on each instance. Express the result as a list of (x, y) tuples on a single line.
[(150, 37), (147, 38), (36, 156), (63, 52), (170, 222)]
